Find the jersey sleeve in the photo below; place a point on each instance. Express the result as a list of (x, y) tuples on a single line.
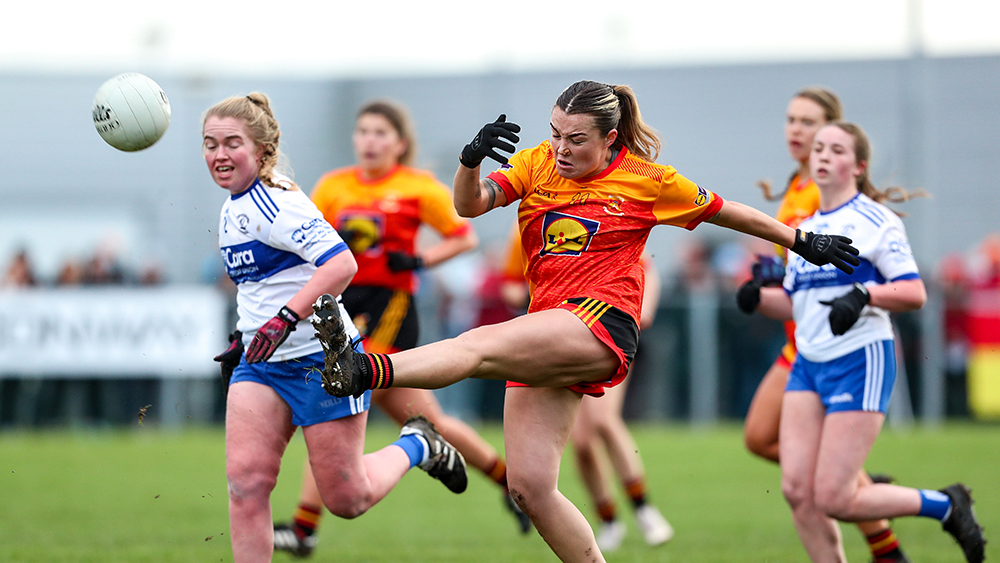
[(893, 256), (682, 203), (514, 178), (300, 228), (437, 210)]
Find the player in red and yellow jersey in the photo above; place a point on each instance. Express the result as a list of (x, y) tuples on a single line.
[(588, 200), (378, 206), (807, 112)]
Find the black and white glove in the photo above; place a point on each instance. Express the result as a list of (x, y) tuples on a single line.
[(401, 262), (826, 249), (846, 309), (271, 335), (488, 139), (229, 359)]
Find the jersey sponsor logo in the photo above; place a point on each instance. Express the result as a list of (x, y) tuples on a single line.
[(235, 258), (841, 398), (311, 232), (543, 193), (362, 232), (566, 235), (702, 197)]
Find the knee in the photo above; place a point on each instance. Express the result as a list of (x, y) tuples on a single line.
[(527, 492), (248, 482), (797, 492), (834, 502), (347, 504)]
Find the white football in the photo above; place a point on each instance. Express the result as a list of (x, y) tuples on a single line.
[(131, 112)]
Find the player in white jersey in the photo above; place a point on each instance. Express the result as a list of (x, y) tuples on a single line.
[(283, 256), (838, 390)]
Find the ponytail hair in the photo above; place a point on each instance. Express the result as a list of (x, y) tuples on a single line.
[(862, 154), (255, 111), (613, 107)]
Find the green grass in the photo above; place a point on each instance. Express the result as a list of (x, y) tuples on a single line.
[(145, 494)]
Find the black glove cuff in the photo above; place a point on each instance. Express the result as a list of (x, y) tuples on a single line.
[(288, 316), (469, 158)]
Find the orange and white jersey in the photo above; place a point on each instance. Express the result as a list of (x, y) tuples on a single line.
[(585, 237), (384, 215)]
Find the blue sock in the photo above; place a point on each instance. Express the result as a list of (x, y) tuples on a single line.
[(934, 504), (414, 446)]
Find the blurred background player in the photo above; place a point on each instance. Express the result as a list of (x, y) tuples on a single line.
[(840, 383), (378, 205), (808, 110)]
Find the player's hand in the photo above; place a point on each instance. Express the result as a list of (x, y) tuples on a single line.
[(748, 296), (229, 359), (271, 335), (768, 270), (488, 139), (401, 262), (846, 309), (826, 249)]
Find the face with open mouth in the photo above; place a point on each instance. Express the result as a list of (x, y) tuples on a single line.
[(232, 157), (580, 149)]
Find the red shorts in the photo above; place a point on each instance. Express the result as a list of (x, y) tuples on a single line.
[(611, 326)]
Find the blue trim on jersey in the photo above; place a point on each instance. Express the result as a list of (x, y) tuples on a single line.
[(342, 246), (810, 276), (265, 204), (910, 276), (254, 261)]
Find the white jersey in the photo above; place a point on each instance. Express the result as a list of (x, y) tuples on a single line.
[(885, 255), (272, 240)]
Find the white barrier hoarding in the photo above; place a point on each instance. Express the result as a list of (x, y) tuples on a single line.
[(170, 331)]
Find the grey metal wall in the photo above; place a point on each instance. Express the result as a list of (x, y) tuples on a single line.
[(933, 122)]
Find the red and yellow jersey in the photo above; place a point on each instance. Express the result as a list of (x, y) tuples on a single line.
[(585, 237), (384, 215), (801, 200)]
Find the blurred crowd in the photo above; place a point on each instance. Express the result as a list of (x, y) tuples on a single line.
[(466, 292), (101, 267)]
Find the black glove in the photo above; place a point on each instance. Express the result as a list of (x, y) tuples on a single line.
[(488, 139), (229, 359), (845, 310), (826, 249), (271, 335), (748, 296), (768, 271), (401, 261)]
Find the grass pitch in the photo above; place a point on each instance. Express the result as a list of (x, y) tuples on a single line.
[(148, 495)]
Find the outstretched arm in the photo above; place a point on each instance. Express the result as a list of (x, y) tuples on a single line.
[(745, 219), (473, 196)]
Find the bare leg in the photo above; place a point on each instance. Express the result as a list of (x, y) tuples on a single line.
[(801, 430), (537, 423), (548, 348), (350, 481), (258, 427), (760, 430)]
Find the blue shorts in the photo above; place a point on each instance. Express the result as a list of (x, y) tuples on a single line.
[(298, 383), (859, 381)]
